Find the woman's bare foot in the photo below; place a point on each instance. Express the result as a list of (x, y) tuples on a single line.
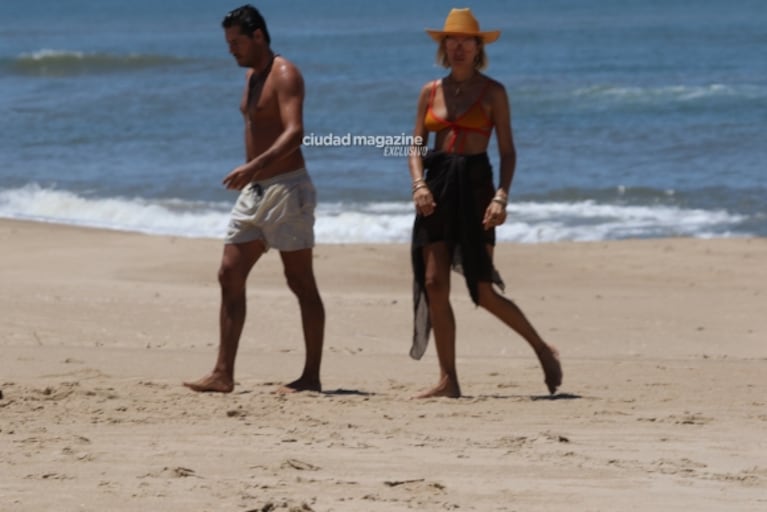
[(552, 369), (300, 384), (213, 383), (446, 388)]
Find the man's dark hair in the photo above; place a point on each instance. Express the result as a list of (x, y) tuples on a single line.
[(248, 19)]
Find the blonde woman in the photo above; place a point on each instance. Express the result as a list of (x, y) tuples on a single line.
[(457, 205)]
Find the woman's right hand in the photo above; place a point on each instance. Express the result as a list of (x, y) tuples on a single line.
[(424, 201)]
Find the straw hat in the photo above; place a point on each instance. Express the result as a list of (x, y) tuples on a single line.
[(461, 22)]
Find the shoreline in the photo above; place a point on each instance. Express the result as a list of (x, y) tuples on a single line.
[(662, 406)]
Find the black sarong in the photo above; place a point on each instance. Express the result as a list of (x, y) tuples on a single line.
[(462, 186)]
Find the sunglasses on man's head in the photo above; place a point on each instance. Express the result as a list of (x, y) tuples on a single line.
[(242, 16)]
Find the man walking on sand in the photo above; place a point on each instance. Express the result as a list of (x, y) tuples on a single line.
[(276, 203)]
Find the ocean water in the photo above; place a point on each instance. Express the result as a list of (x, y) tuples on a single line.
[(632, 119)]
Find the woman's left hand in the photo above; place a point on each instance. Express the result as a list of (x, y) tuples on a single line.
[(495, 215)]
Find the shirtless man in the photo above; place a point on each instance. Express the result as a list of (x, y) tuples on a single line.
[(276, 203)]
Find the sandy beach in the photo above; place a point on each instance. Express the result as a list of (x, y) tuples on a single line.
[(663, 407)]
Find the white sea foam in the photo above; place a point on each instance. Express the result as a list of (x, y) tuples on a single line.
[(528, 222), (56, 62), (47, 53), (162, 217), (681, 93)]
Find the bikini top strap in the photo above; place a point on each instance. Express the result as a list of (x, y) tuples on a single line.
[(433, 92)]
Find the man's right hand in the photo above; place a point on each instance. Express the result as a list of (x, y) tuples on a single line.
[(239, 178)]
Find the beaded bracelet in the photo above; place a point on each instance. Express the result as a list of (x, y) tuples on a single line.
[(419, 186), (501, 198)]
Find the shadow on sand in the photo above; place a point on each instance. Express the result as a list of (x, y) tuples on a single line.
[(347, 392), (525, 398)]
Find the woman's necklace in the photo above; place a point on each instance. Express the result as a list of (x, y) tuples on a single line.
[(460, 86)]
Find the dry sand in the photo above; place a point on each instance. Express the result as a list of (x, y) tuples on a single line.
[(663, 407)]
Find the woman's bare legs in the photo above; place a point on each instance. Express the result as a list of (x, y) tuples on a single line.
[(438, 267), (437, 260), (510, 314)]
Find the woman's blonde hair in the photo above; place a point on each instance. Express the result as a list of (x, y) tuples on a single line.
[(480, 62)]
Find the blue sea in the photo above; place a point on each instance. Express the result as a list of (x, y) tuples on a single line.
[(632, 118)]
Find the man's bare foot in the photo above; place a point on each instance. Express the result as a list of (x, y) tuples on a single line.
[(300, 384), (213, 383), (446, 388), (552, 369)]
